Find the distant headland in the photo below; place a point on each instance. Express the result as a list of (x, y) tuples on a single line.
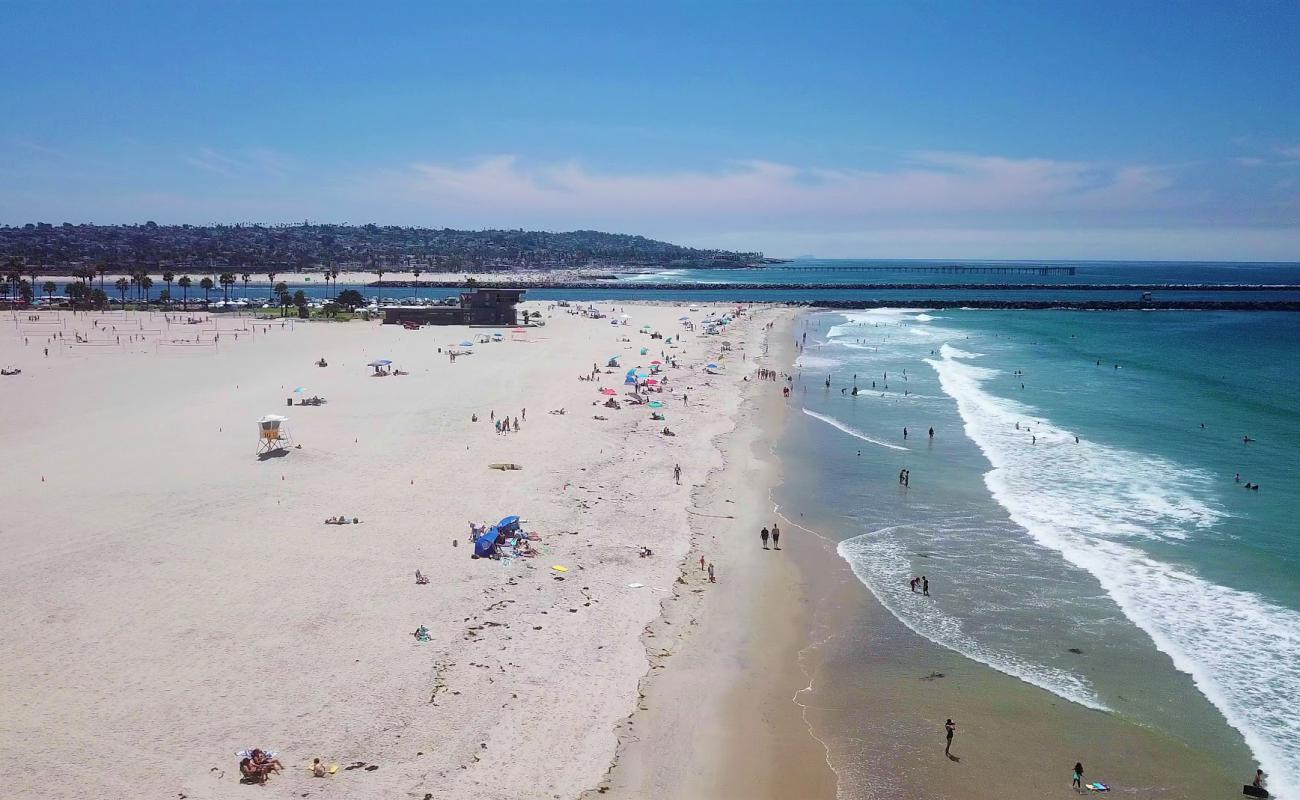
[(288, 248)]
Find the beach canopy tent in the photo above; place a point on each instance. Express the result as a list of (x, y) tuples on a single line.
[(486, 544), (630, 377), (379, 364), (271, 433)]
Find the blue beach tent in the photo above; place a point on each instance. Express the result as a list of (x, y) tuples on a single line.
[(486, 544)]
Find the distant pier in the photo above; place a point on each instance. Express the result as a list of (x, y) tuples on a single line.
[(953, 269)]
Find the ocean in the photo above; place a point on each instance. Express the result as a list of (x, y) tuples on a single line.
[(1081, 510)]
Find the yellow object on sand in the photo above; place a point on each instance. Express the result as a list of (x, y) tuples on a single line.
[(558, 568), (331, 769)]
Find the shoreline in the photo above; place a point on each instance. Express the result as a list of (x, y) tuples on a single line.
[(718, 720)]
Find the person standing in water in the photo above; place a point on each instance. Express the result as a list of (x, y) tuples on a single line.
[(931, 431), (925, 586), (904, 433)]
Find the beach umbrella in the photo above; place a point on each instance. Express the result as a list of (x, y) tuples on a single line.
[(713, 366), (300, 389), (466, 344), (656, 404), (608, 391), (508, 521), (383, 362), (652, 382), (656, 362), (680, 319)]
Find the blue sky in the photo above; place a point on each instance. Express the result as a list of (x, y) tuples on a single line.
[(902, 129)]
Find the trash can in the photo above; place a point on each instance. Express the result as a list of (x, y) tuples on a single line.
[(288, 401)]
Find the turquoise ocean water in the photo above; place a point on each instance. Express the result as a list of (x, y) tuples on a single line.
[(1134, 545)]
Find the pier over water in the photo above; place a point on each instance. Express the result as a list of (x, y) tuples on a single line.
[(949, 269)]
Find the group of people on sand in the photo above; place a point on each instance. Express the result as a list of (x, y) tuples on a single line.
[(768, 375), (775, 533), (258, 765), (342, 520), (707, 566)]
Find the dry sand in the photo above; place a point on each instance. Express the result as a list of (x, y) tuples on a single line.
[(171, 599)]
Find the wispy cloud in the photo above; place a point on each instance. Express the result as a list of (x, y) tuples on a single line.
[(929, 182), (242, 163)]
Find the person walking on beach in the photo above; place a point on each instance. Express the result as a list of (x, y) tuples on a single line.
[(949, 728), (677, 473), (712, 579), (702, 566), (925, 586), (776, 537), (1077, 782), (763, 535)]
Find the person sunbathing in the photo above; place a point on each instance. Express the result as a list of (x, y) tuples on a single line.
[(251, 771), (667, 432), (421, 578), (264, 762)]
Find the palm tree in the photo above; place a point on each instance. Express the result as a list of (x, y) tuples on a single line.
[(48, 287), (185, 283), (282, 291), (334, 276), (206, 285), (271, 277), (416, 273), (379, 284), (246, 276), (145, 283), (168, 277), (102, 269), (122, 285), (227, 280)]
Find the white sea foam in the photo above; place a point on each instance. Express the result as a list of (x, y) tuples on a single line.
[(857, 434), (806, 361), (881, 562), (859, 322), (1095, 504)]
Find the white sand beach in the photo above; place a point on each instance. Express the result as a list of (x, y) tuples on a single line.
[(171, 599)]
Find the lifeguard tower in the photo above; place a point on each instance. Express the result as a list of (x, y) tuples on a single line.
[(272, 435)]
